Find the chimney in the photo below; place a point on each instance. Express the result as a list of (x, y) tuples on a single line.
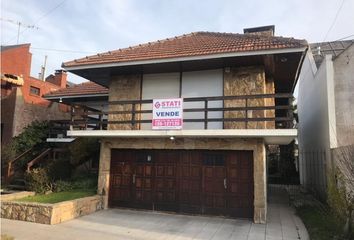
[(262, 31), (59, 78)]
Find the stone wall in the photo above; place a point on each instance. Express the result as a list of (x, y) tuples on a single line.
[(68, 210), (247, 81), (126, 87), (50, 213), (25, 113), (256, 145), (30, 212)]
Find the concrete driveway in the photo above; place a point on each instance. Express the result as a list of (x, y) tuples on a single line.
[(125, 224), (131, 224)]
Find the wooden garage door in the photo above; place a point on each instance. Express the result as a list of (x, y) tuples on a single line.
[(121, 178), (202, 182), (240, 184)]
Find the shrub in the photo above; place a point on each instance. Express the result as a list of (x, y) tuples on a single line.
[(84, 180), (62, 186), (88, 183), (84, 149), (59, 169), (38, 180), (32, 135)]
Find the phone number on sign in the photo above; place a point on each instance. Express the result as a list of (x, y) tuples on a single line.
[(167, 122)]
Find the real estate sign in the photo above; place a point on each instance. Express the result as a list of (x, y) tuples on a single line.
[(167, 113)]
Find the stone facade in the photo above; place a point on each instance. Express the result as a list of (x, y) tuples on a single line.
[(68, 210), (30, 212), (50, 213), (248, 81), (127, 87), (270, 89), (256, 145)]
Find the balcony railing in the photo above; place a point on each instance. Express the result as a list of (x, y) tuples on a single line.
[(246, 111)]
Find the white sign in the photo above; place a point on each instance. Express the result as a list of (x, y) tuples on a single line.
[(167, 113)]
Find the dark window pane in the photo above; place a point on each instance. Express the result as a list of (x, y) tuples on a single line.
[(34, 91), (212, 159)]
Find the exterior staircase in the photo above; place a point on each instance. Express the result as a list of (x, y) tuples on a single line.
[(14, 170)]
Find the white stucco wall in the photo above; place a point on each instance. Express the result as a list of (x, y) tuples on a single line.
[(317, 122)]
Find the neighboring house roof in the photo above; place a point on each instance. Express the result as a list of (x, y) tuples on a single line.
[(8, 47), (335, 48), (189, 45), (83, 89)]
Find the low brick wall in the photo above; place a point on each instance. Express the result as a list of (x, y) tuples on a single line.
[(50, 213)]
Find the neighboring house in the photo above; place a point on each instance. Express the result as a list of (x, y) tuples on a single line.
[(237, 94), (325, 108), (21, 94), (87, 94)]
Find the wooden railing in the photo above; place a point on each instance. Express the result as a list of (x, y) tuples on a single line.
[(42, 156), (83, 118), (10, 166)]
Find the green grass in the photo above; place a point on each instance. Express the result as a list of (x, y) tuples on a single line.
[(320, 225), (59, 196)]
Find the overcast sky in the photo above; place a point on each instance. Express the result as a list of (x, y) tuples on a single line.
[(85, 27)]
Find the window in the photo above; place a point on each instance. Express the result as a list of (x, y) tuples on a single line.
[(34, 91)]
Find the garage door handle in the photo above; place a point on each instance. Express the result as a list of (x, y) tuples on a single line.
[(225, 183), (133, 178)]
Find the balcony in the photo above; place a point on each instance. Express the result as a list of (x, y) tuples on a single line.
[(261, 111)]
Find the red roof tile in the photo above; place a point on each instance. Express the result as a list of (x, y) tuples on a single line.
[(86, 88), (193, 44)]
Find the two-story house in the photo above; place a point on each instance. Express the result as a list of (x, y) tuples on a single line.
[(236, 91), (21, 94)]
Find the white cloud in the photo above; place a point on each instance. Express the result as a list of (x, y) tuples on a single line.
[(97, 26)]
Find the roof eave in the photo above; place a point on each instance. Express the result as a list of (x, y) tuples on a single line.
[(48, 97), (186, 58)]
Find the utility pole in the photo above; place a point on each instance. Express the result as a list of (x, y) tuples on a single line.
[(19, 24), (42, 74)]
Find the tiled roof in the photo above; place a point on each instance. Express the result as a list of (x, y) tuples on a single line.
[(86, 88), (321, 49), (193, 44)]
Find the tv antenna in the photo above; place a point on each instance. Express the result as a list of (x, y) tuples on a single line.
[(19, 24)]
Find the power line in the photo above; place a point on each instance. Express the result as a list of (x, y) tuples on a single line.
[(19, 24), (40, 18), (62, 50), (352, 35), (334, 20)]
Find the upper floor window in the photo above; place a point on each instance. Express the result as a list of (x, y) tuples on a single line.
[(34, 91)]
